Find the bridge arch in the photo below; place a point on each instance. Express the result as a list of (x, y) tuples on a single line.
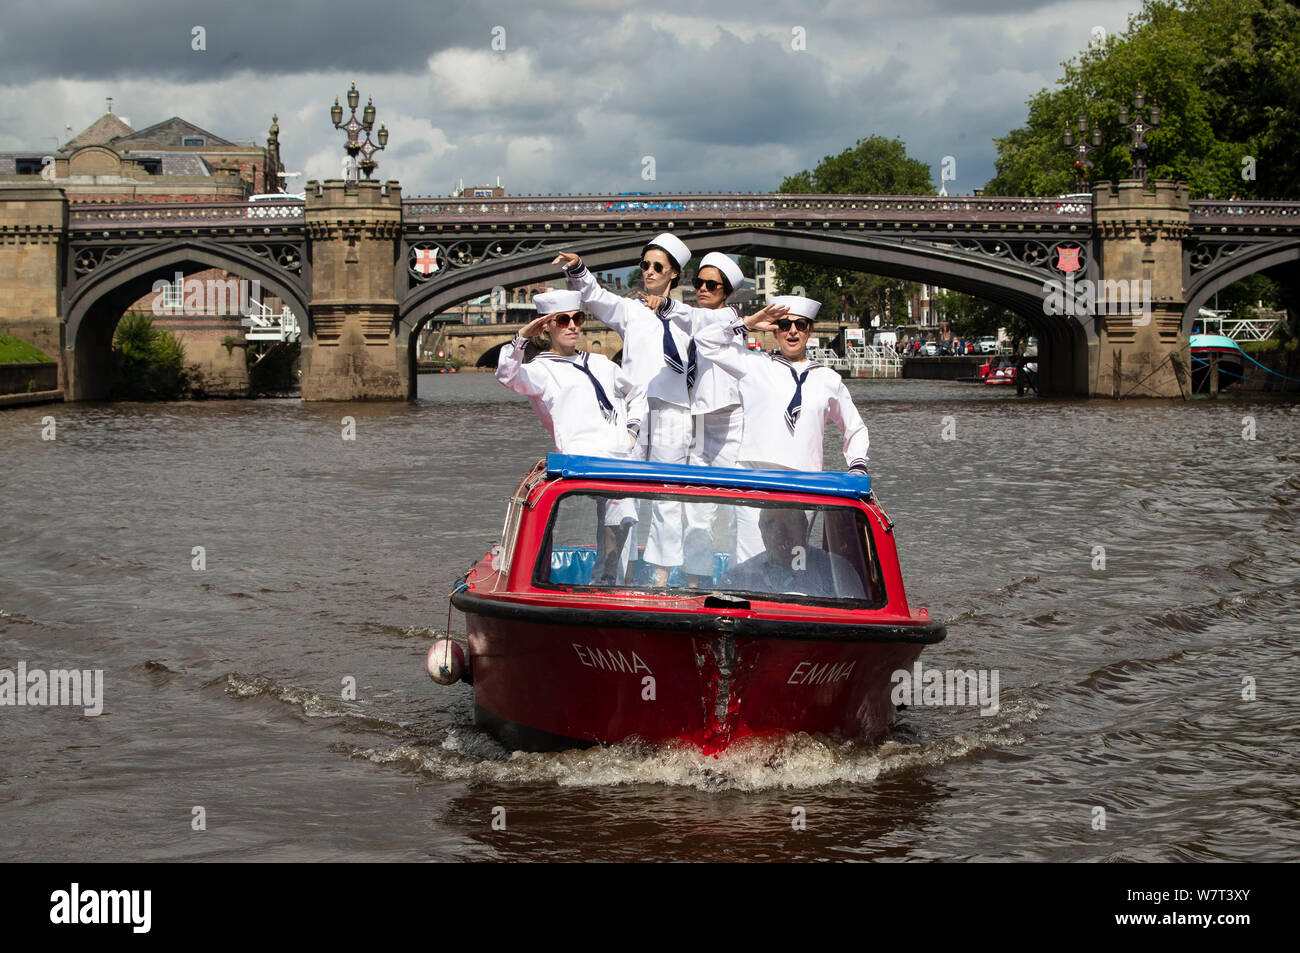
[(1261, 257), (1063, 340), (97, 304)]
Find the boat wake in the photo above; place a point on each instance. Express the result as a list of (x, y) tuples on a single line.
[(765, 763)]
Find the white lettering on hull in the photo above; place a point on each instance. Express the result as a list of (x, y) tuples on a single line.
[(810, 673), (610, 660)]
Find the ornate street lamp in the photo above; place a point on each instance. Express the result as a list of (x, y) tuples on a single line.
[(1082, 149), (354, 127), (1139, 129)]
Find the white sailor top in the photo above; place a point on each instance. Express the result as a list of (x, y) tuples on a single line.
[(779, 430), (564, 394), (664, 376), (715, 389)]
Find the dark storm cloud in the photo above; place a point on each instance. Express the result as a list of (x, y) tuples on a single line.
[(733, 96), (154, 37)]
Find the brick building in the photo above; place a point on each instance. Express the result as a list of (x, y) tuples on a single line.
[(170, 161)]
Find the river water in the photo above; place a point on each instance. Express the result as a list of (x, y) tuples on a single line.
[(1121, 673)]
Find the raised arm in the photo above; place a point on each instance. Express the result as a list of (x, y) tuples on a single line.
[(694, 320), (724, 345), (605, 305), (527, 379), (723, 342), (845, 414)]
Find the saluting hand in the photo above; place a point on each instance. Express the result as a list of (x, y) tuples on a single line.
[(765, 320), (534, 327), (568, 259)]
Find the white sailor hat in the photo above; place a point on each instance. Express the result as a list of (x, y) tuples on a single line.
[(800, 307), (730, 270), (549, 302), (675, 247)]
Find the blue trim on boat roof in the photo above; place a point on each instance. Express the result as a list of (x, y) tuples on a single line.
[(1213, 340), (830, 483)]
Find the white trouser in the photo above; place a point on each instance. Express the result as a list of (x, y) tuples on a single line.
[(669, 442), (716, 443)]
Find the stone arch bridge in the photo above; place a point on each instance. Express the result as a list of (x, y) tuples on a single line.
[(366, 269)]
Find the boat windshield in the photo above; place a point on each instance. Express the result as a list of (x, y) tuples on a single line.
[(758, 549)]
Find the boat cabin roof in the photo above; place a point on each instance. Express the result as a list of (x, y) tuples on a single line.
[(830, 483)]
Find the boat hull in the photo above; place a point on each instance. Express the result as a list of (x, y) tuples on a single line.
[(541, 686)]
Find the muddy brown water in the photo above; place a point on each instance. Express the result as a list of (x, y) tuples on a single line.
[(1120, 688)]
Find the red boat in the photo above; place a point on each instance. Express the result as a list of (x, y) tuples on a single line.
[(1002, 374), (570, 644)]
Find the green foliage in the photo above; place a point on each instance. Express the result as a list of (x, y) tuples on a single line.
[(150, 361), (970, 317), (1226, 74), (14, 351), (1242, 297), (874, 166)]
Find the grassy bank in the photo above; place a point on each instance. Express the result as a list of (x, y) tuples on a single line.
[(14, 351)]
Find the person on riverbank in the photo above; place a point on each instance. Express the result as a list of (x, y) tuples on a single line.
[(585, 402), (660, 357)]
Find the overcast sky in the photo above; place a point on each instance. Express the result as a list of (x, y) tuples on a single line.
[(582, 92)]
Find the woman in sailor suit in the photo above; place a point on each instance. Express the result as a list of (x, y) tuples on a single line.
[(584, 400), (786, 399), (716, 404), (659, 356)]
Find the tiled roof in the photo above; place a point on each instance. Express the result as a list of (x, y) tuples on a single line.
[(100, 133), (177, 163), (170, 134)]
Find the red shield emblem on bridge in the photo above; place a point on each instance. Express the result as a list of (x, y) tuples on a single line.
[(426, 260), (1067, 259)]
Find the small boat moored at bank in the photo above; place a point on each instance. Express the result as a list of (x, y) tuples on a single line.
[(1209, 348)]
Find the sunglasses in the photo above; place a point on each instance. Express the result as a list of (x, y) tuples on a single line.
[(658, 266), (562, 320), (800, 324), (706, 283)]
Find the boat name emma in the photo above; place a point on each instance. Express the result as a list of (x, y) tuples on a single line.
[(807, 673), (593, 657)]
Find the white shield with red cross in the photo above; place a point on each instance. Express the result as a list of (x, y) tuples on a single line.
[(426, 260)]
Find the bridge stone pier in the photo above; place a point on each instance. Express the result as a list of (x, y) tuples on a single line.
[(353, 351), (33, 232), (1140, 349)]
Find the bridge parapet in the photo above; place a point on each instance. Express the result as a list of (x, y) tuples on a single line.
[(746, 207), (86, 216), (1231, 212)]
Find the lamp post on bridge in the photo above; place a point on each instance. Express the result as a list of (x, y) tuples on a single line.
[(1139, 129), (354, 127), (1082, 149)]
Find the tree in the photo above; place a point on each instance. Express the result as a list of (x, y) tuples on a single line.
[(1226, 74), (150, 361), (874, 166)]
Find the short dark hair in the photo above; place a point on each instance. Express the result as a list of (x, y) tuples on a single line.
[(726, 285), (671, 261)]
